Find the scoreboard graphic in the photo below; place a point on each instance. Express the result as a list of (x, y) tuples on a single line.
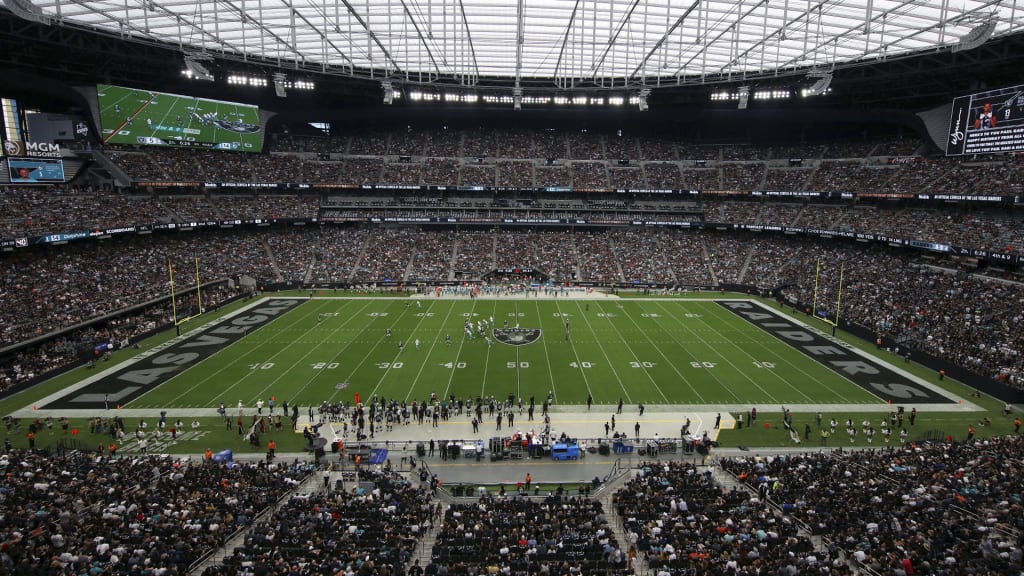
[(989, 122)]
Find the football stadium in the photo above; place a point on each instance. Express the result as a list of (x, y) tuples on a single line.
[(533, 289)]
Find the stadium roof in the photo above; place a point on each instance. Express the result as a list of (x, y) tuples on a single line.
[(561, 44)]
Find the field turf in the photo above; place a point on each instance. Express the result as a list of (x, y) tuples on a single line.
[(682, 355), (651, 352)]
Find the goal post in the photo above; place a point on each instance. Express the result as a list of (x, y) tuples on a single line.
[(820, 287), (174, 298)]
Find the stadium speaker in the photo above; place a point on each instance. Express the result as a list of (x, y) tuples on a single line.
[(796, 162), (744, 98), (279, 85), (405, 158), (623, 162)]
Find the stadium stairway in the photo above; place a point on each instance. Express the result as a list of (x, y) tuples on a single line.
[(746, 264), (308, 486), (273, 260), (707, 263), (729, 482), (618, 262)]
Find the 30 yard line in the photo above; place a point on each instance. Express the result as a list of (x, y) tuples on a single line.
[(666, 358), (629, 347)]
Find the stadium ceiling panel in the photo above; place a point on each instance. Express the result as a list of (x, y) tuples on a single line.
[(556, 43)]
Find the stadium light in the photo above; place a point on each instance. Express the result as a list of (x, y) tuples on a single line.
[(744, 97), (978, 35)]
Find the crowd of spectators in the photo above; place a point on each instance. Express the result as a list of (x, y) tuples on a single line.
[(515, 175), (934, 508), (451, 157), (629, 178), (477, 175), (72, 348), (32, 211), (683, 522), (79, 513), (370, 529), (589, 175), (556, 536), (643, 255), (337, 249)]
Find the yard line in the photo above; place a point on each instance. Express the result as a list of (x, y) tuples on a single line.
[(722, 356), (390, 364), (748, 355), (685, 349), (204, 381), (547, 357), (606, 358), (458, 354), (487, 358), (429, 352), (782, 360), (663, 355), (313, 349)]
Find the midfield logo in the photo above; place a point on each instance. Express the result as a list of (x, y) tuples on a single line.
[(517, 336)]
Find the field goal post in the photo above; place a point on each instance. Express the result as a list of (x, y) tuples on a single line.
[(174, 298), (822, 313)]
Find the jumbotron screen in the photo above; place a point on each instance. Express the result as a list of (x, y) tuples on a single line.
[(144, 117), (987, 123), (35, 170)]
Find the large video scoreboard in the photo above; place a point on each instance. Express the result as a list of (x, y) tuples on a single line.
[(989, 122), (148, 118)]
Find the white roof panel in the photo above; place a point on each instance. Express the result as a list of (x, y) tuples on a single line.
[(562, 40)]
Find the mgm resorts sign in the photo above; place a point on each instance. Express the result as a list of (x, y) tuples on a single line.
[(31, 149)]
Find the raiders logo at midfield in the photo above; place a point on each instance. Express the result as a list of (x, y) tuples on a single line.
[(517, 336)]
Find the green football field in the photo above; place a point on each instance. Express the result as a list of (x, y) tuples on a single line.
[(681, 356), (140, 117), (650, 351)]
